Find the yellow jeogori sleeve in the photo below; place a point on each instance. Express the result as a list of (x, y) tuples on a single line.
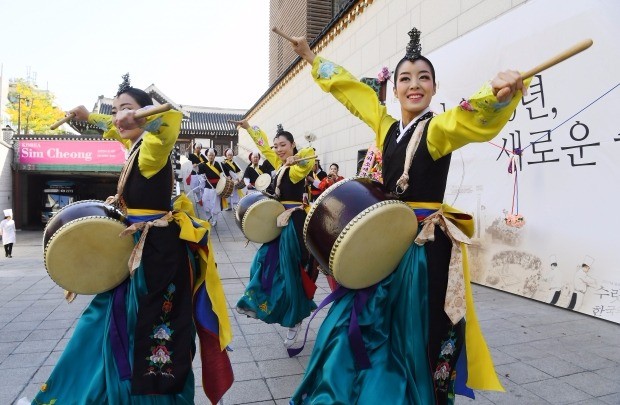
[(357, 97), (478, 119)]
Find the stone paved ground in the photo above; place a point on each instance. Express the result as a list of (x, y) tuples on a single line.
[(543, 354)]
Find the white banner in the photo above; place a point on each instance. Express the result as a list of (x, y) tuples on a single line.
[(568, 128)]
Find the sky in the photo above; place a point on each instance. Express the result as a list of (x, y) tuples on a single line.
[(209, 53)]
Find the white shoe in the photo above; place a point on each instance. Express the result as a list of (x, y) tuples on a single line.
[(248, 312), (291, 335)]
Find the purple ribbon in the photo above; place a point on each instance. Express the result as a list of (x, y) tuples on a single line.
[(355, 333), (272, 258), (119, 337)]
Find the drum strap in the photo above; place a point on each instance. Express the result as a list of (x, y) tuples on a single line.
[(403, 182), (118, 200), (354, 334), (291, 206)]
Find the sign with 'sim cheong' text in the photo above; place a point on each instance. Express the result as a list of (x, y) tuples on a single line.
[(58, 152)]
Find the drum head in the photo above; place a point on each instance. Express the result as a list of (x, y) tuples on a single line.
[(262, 182), (220, 186), (259, 222), (356, 265), (87, 256)]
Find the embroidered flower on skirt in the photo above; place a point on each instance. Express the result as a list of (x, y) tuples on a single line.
[(162, 334)]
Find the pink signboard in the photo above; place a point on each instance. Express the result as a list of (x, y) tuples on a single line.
[(57, 152)]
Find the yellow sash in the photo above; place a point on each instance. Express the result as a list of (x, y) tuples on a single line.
[(480, 369), (212, 167), (183, 214)]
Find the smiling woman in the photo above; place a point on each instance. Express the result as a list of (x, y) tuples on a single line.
[(411, 329)]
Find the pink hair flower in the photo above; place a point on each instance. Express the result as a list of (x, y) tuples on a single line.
[(384, 74)]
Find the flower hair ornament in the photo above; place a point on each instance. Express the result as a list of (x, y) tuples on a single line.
[(310, 137), (279, 129), (124, 85), (414, 48)]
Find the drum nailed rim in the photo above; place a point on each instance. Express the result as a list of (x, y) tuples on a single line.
[(253, 205), (358, 217)]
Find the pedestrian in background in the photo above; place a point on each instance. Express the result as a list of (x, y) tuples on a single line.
[(7, 230)]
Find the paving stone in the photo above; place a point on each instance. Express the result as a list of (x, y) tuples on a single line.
[(613, 399), (244, 392), (514, 395), (557, 392), (283, 387), (280, 367), (261, 353), (554, 367), (592, 383), (246, 371), (521, 373), (524, 352), (35, 346), (241, 355)]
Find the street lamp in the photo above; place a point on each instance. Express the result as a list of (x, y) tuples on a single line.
[(7, 134), (17, 98)]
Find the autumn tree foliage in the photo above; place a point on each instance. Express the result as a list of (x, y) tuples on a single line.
[(32, 108)]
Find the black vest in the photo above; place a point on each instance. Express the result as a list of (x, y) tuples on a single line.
[(427, 177), (154, 193)]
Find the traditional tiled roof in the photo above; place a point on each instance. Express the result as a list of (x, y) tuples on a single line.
[(197, 121), (210, 121)]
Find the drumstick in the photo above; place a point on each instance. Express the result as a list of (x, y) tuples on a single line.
[(152, 111), (306, 158), (140, 114), (283, 35), (62, 121), (562, 56)]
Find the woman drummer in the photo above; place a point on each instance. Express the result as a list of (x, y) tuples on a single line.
[(135, 343), (280, 289), (409, 343), (234, 173), (252, 171)]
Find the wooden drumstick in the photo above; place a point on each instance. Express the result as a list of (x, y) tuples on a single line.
[(62, 121), (152, 111), (306, 158), (562, 56), (140, 114), (283, 35)]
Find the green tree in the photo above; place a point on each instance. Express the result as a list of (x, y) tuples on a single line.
[(33, 109)]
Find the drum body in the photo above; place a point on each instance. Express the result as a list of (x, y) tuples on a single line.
[(224, 187), (82, 250), (256, 216), (239, 185), (357, 233)]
